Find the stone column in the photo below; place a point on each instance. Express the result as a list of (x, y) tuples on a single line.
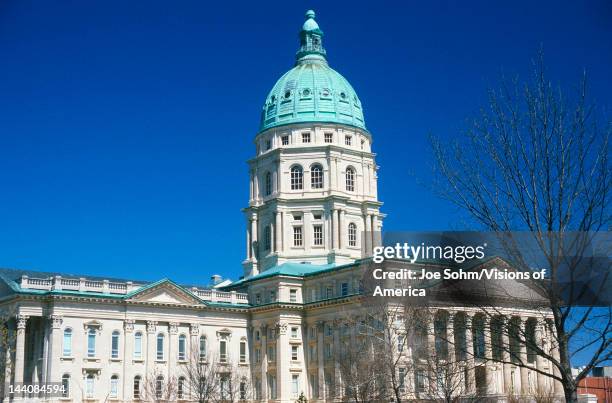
[(469, 347), (368, 235), (283, 379), (321, 359), (333, 172), (523, 357), (20, 347), (342, 224), (128, 354), (555, 353), (539, 338), (55, 349), (450, 336), (254, 237), (376, 233), (337, 374), (194, 342), (278, 237), (264, 361), (172, 346), (505, 325), (151, 347), (248, 240), (335, 232), (488, 353)]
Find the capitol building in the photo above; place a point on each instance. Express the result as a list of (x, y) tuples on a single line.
[(312, 221)]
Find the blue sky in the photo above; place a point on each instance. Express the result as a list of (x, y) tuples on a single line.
[(125, 126)]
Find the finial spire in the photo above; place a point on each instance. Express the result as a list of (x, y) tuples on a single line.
[(311, 41)]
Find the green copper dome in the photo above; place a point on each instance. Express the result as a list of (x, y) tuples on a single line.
[(311, 91)]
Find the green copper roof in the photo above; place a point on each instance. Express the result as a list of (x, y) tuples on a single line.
[(311, 91)]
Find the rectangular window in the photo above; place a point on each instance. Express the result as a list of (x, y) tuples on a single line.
[(293, 295), (420, 381), (313, 353), (89, 386), (67, 342), (328, 350), (318, 235), (91, 343), (258, 299), (242, 352), (272, 387), (257, 355), (272, 296), (271, 351), (138, 346), (344, 289), (348, 140), (294, 353), (268, 144), (329, 137), (297, 236), (115, 345), (402, 379), (160, 347), (285, 140), (223, 351), (295, 385), (294, 332), (305, 137), (182, 347), (329, 292)]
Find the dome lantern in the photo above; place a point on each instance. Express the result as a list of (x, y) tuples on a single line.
[(311, 40)]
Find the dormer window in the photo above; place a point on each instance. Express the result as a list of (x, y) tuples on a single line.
[(348, 140), (285, 140), (305, 137), (329, 137)]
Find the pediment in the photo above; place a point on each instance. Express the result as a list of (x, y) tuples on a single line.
[(164, 292)]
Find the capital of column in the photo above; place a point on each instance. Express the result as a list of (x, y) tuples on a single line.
[(128, 325), (56, 321), (151, 326), (194, 329), (281, 328), (320, 326), (21, 321), (173, 327)]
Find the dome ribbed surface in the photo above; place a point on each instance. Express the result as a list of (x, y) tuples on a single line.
[(312, 92)]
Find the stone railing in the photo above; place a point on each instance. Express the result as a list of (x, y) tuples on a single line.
[(120, 288), (231, 297)]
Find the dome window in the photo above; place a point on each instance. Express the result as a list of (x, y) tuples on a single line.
[(343, 95), (306, 92), (325, 93), (272, 99), (287, 94)]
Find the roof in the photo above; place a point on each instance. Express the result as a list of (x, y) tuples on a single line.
[(311, 91)]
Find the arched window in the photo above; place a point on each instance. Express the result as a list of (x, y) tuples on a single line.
[(297, 178), (267, 238), (159, 386), (181, 388), (137, 387), (316, 177), (115, 344), (160, 346), (268, 184), (352, 234), (89, 386), (67, 342), (114, 386), (202, 347), (65, 386), (182, 347), (350, 180), (91, 342), (138, 345)]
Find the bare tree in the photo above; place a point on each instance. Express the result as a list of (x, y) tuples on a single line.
[(234, 385), (157, 387), (7, 342), (201, 377), (534, 161)]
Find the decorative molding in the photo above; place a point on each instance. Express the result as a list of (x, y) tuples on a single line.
[(128, 325), (151, 326), (173, 327), (21, 321), (56, 321), (194, 329)]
